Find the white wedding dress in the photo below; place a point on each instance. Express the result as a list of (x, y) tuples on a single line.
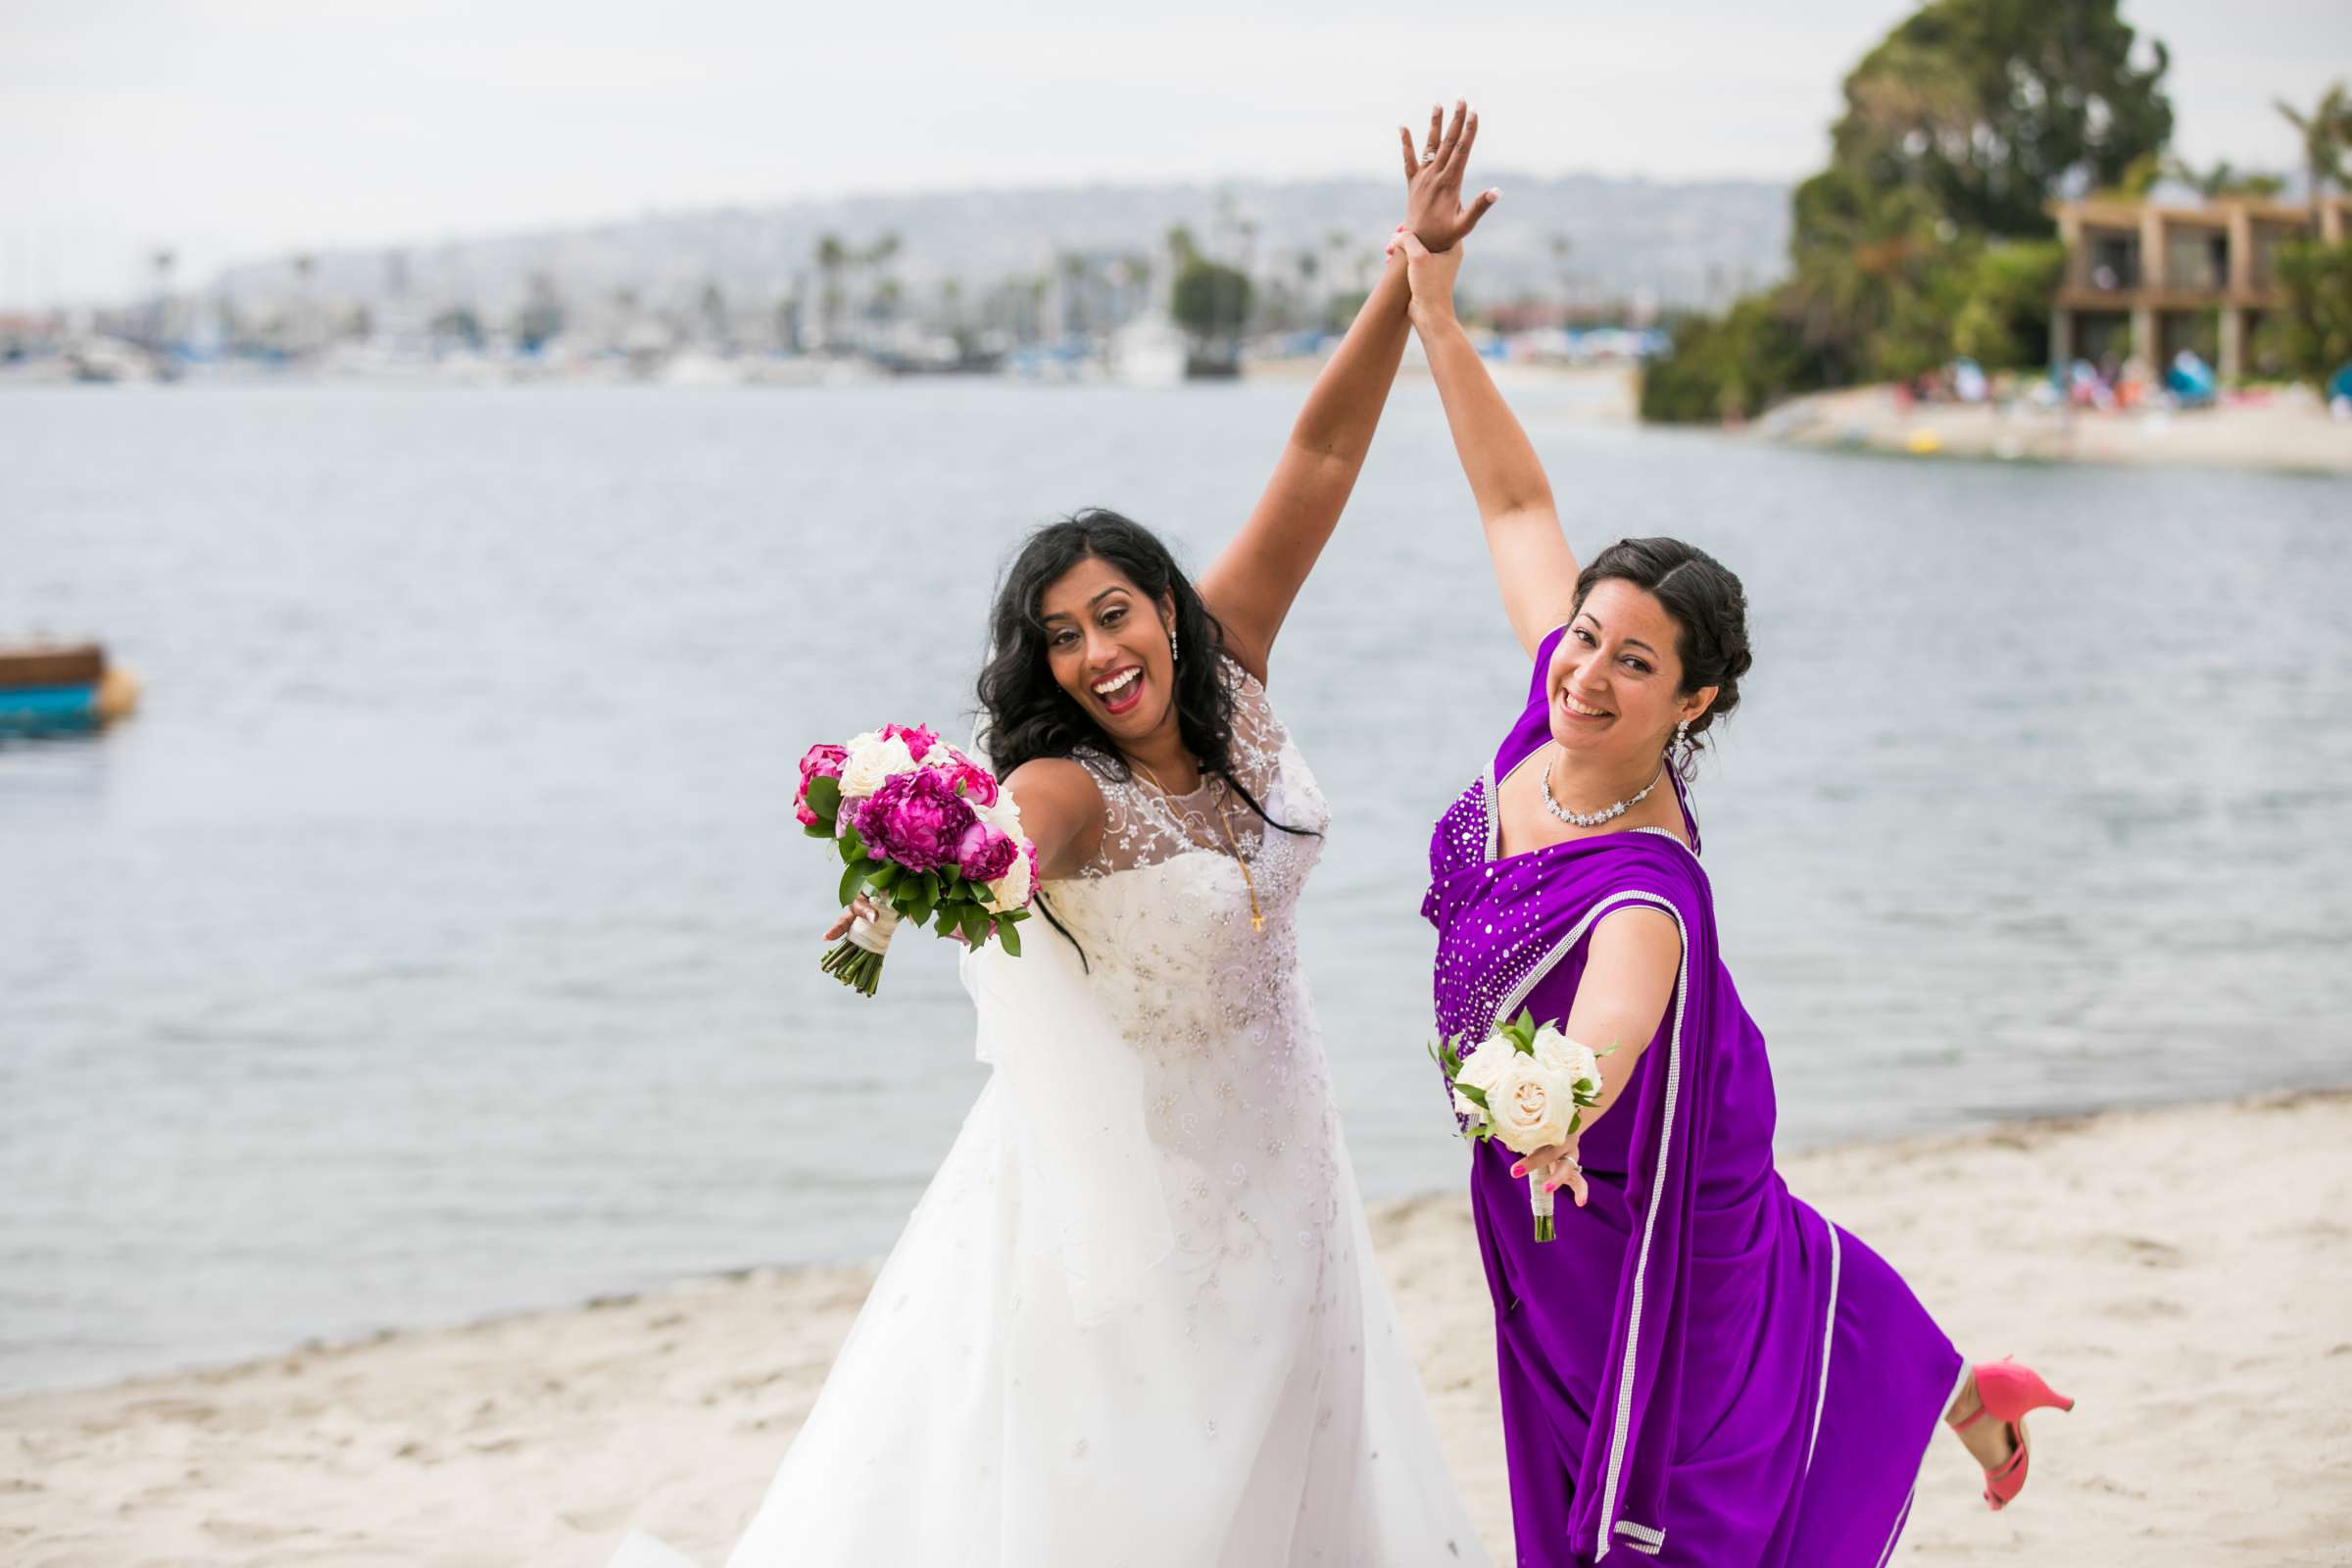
[(1136, 1319)]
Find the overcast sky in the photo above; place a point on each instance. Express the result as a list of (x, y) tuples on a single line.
[(238, 129)]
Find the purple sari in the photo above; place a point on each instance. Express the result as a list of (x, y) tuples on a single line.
[(1702, 1368)]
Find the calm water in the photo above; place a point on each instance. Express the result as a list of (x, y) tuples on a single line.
[(437, 940)]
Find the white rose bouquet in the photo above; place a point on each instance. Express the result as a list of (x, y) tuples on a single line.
[(1528, 1085), (928, 832)]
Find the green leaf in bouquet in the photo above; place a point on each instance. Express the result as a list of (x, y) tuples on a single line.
[(951, 876), (931, 887), (818, 830), (1008, 939), (945, 921), (1449, 1058), (974, 921), (886, 876), (853, 877), (1475, 1095), (852, 848), (824, 797)]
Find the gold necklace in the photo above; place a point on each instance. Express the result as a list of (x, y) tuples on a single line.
[(1258, 921)]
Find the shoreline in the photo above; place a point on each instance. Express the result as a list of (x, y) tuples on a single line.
[(2180, 1263), (2291, 433)]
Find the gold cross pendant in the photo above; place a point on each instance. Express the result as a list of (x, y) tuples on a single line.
[(1258, 921)]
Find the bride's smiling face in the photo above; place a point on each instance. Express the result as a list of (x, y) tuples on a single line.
[(1616, 678), (1107, 646)]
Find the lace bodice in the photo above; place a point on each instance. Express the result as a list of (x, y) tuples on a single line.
[(1238, 1095), (1163, 912), (1142, 826)]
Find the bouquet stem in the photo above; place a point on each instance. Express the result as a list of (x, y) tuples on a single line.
[(1540, 1200), (858, 962)]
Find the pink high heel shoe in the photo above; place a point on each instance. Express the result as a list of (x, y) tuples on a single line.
[(2006, 1391)]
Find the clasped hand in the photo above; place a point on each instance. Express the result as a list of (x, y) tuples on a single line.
[(1436, 220)]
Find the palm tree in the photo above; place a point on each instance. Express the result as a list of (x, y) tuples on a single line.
[(2224, 179), (832, 255), (1075, 318), (882, 295), (2327, 133), (1863, 264)]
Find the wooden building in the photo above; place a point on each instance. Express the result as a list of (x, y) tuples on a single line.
[(2146, 280)]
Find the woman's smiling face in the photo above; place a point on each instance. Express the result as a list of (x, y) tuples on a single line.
[(1615, 682), (1106, 645)]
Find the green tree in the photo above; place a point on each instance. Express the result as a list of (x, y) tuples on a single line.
[(1873, 273), (2326, 133), (882, 294), (1730, 367), (832, 260), (1211, 301), (2005, 321), (1927, 234), (1988, 106), (2309, 334), (2224, 179)]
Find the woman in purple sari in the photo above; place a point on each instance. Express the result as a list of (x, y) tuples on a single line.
[(1700, 1368)]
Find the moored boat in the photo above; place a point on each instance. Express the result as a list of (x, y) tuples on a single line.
[(48, 688)]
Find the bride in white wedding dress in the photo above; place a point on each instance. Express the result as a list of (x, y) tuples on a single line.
[(1136, 1319)]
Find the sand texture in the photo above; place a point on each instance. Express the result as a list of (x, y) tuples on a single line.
[(2187, 1274)]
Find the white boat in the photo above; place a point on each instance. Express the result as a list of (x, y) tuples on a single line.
[(1149, 352)]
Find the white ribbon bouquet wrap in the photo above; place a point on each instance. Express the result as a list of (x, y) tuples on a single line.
[(1528, 1085), (926, 834)]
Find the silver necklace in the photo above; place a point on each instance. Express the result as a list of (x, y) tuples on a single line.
[(1615, 808)]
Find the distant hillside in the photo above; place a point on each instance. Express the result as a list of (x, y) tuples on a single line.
[(1676, 243)]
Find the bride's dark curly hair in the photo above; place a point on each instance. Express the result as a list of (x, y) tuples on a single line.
[(1025, 711)]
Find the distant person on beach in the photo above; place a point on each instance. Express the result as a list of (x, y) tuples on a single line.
[(1700, 1368), (1137, 1318)]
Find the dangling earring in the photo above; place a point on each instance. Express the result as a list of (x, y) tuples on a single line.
[(1680, 750), (1171, 645)]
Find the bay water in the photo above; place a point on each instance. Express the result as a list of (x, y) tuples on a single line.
[(437, 940)]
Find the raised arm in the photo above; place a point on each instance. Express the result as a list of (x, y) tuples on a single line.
[(1250, 585), (1533, 563)]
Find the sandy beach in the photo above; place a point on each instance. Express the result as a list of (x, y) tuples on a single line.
[(2293, 431), (2185, 1273)]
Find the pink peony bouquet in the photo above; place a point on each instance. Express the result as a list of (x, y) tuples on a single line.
[(927, 832)]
